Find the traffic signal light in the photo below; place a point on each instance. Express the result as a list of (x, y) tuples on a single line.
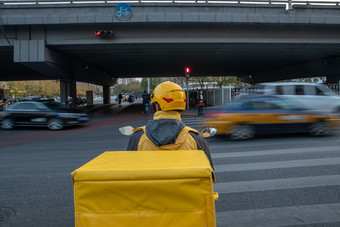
[(187, 72), (106, 34)]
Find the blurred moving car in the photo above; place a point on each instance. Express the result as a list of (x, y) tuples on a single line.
[(310, 95), (44, 113), (265, 114)]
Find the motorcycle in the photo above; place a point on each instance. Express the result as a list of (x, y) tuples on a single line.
[(146, 108), (131, 99)]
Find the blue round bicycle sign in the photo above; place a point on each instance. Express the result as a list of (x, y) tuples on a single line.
[(123, 11)]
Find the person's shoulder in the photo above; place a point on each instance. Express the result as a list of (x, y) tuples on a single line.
[(191, 130)]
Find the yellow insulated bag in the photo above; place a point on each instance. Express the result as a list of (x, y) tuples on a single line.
[(145, 188)]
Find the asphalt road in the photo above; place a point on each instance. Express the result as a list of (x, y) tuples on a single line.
[(289, 180)]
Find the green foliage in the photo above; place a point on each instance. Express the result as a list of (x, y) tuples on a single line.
[(119, 88), (153, 83), (133, 87)]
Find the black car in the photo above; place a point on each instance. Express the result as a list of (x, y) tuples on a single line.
[(44, 113)]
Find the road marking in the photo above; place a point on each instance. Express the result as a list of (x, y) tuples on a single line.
[(275, 152), (276, 216), (253, 143), (276, 184), (277, 164), (281, 216)]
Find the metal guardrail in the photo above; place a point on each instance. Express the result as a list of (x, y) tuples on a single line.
[(288, 3)]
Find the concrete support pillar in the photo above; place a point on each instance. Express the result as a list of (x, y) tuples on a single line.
[(63, 91), (73, 92), (106, 94), (68, 89)]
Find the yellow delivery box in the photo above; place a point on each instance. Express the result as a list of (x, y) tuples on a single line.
[(145, 188)]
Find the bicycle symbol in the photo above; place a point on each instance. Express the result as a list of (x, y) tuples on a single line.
[(123, 11)]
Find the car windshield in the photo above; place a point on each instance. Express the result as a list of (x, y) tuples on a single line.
[(55, 105)]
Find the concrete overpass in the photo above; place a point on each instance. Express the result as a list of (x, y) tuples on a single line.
[(256, 41)]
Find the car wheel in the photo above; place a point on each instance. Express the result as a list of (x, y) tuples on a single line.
[(242, 132), (319, 128), (7, 123), (55, 124)]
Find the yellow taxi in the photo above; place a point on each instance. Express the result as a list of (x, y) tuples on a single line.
[(268, 114)]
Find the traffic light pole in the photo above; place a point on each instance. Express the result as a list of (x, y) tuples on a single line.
[(187, 76), (149, 85)]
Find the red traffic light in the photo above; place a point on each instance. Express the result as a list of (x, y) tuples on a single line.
[(104, 33), (187, 70)]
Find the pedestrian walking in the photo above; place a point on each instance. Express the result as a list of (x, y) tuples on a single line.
[(200, 104), (120, 97)]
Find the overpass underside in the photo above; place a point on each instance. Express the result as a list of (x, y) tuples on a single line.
[(255, 43)]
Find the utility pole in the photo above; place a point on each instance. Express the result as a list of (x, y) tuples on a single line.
[(187, 75), (148, 85)]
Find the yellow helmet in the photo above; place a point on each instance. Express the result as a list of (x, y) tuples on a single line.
[(169, 96)]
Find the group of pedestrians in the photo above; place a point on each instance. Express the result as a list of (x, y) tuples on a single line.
[(200, 103), (130, 99)]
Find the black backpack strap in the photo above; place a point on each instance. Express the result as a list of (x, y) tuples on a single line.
[(202, 144), (134, 140)]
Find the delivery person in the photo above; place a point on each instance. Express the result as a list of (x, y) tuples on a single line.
[(167, 131)]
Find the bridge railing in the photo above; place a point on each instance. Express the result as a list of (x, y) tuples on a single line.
[(288, 3)]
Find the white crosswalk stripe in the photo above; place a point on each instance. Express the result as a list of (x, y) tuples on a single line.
[(274, 152), (263, 185), (192, 121), (285, 216), (306, 209), (277, 164)]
